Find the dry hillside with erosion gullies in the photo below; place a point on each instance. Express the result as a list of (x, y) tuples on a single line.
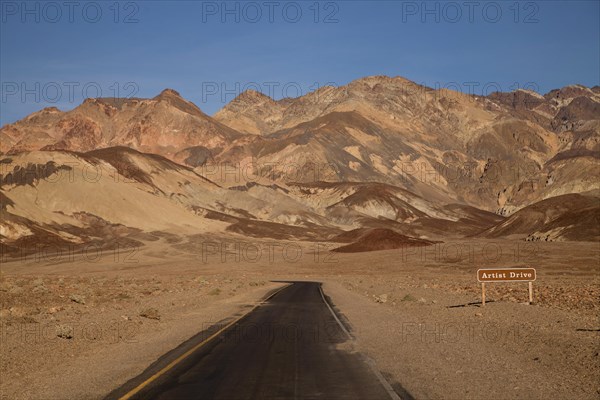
[(378, 153), (127, 226)]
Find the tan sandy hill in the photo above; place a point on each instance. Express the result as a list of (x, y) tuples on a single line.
[(119, 194), (378, 205), (566, 217), (66, 197)]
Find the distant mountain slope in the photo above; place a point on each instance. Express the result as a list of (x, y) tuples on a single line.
[(496, 152), (114, 196), (377, 153), (166, 124), (251, 112)]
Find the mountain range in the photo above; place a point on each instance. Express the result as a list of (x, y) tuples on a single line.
[(380, 160)]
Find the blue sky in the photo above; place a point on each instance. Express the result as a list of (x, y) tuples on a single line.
[(53, 55)]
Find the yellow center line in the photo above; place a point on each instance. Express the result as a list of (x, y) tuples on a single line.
[(169, 366)]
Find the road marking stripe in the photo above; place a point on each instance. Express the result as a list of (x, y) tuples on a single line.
[(371, 363), (169, 366)]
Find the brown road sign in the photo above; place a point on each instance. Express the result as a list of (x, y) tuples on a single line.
[(506, 275)]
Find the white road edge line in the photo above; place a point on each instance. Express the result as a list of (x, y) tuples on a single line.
[(370, 361), (333, 313)]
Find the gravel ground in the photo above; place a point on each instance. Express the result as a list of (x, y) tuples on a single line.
[(78, 338), (77, 330), (506, 350)]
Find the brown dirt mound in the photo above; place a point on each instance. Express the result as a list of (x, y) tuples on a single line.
[(382, 239), (351, 236)]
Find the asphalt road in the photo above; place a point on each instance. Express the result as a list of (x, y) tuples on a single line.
[(290, 347)]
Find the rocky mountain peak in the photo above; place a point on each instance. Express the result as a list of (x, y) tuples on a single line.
[(250, 98), (168, 93)]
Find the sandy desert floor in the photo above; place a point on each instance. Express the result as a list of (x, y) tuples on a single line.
[(77, 325)]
